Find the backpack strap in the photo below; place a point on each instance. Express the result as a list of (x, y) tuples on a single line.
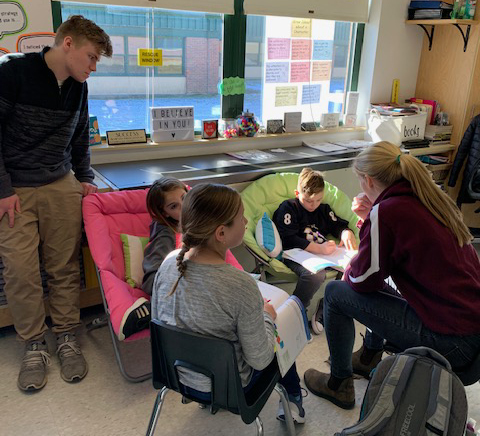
[(439, 402), (387, 399)]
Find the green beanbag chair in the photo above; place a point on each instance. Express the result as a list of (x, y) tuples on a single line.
[(266, 194)]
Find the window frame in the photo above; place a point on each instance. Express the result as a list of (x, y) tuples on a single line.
[(234, 49)]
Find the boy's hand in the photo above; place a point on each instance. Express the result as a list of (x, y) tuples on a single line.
[(348, 239), (361, 205), (327, 247)]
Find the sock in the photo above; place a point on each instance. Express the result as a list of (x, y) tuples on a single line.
[(335, 382), (367, 355)]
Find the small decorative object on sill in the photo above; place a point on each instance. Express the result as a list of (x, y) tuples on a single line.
[(292, 122), (209, 129), (118, 137), (329, 121), (309, 127), (275, 126), (227, 127), (247, 125), (94, 131), (172, 123), (350, 120)]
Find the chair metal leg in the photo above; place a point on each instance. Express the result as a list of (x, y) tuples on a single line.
[(157, 408), (259, 424), (286, 408), (116, 349)]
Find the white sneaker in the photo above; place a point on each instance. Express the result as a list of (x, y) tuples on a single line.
[(296, 409), (317, 319)]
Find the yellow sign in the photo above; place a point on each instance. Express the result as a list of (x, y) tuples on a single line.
[(395, 88), (149, 58)]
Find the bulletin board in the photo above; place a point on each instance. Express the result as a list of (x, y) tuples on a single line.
[(25, 26)]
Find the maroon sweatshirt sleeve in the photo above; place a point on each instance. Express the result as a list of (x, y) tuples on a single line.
[(372, 265)]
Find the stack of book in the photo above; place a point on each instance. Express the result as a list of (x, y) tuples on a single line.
[(429, 9), (393, 109), (438, 134), (431, 107)]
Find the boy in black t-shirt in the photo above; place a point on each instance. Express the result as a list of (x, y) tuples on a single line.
[(303, 222)]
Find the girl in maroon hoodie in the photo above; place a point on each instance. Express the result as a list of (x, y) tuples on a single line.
[(414, 234)]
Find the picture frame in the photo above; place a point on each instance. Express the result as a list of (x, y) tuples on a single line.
[(120, 137)]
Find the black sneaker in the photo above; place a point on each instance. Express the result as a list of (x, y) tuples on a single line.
[(135, 319), (317, 319)]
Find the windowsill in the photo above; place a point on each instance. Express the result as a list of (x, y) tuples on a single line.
[(144, 151)]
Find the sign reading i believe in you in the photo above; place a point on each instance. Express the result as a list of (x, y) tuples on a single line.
[(25, 26), (172, 123)]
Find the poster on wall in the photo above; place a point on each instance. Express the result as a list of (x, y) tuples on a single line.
[(25, 26), (300, 68)]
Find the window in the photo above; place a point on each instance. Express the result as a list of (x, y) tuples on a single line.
[(121, 92), (296, 65)]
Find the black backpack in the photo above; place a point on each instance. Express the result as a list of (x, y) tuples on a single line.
[(413, 393)]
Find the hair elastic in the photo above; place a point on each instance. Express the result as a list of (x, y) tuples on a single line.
[(398, 159)]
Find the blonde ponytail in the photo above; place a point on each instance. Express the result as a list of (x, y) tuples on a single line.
[(385, 163)]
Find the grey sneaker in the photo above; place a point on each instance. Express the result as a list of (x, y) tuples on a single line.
[(33, 372), (73, 364)]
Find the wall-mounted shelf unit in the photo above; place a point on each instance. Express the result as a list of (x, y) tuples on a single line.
[(433, 23)]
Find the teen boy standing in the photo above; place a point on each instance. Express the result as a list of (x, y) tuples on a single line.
[(303, 222), (43, 138)]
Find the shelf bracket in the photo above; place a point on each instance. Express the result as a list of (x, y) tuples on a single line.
[(464, 36), (430, 34)]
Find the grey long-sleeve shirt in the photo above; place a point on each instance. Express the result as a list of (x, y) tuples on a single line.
[(220, 301)]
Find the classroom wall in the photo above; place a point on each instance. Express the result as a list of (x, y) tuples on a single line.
[(391, 50)]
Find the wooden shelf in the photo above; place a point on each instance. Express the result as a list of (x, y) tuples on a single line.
[(432, 149), (445, 21), (433, 23)]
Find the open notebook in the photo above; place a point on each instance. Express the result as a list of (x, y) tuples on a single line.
[(291, 326), (339, 259)]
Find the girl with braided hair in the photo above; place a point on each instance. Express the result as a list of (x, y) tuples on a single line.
[(196, 290)]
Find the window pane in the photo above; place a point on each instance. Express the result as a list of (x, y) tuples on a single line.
[(121, 92), (294, 65)]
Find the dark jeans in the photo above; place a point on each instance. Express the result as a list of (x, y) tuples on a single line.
[(291, 383), (388, 317), (308, 283)]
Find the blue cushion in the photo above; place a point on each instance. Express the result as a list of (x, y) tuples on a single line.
[(267, 237)]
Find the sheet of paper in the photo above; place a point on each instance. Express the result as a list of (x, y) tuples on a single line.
[(325, 147), (276, 295)]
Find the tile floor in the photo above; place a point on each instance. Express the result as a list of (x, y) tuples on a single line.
[(105, 404)]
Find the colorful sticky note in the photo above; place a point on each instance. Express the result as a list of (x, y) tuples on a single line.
[(286, 96), (301, 49), (321, 71), (322, 50), (302, 28), (300, 72), (278, 48), (311, 94), (276, 72)]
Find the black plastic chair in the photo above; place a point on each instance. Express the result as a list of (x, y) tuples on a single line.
[(173, 347)]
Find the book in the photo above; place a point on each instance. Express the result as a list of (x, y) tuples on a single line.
[(419, 14), (433, 103), (338, 260), (291, 325), (429, 4)]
